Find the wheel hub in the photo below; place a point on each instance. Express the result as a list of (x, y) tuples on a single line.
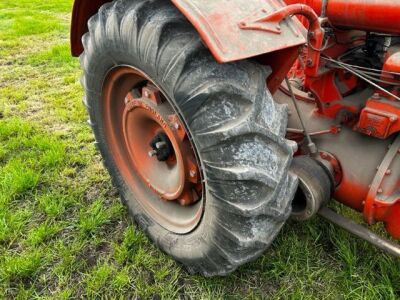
[(159, 147), (152, 150), (162, 147)]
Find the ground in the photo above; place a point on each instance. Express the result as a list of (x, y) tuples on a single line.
[(63, 231)]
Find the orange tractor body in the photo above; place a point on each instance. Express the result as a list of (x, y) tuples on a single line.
[(336, 65)]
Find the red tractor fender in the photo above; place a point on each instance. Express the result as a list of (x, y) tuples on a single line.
[(231, 29), (81, 13)]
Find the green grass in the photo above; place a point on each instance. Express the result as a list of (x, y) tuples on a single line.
[(64, 233)]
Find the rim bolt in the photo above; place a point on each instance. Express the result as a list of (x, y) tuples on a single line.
[(176, 126), (152, 153), (126, 100), (192, 173)]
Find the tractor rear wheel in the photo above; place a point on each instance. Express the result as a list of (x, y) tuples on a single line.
[(195, 148)]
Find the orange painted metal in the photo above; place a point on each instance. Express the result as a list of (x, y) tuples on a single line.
[(263, 29), (82, 11), (369, 15), (132, 123), (380, 118), (219, 24), (383, 200), (175, 178), (219, 29)]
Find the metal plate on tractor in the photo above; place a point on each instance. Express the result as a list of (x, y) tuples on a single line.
[(221, 30)]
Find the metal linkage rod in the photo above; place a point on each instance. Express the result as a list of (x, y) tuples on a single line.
[(311, 145), (360, 231), (358, 74)]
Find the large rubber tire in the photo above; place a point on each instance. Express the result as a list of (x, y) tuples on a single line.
[(237, 128)]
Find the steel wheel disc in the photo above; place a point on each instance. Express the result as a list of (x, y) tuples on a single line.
[(152, 149)]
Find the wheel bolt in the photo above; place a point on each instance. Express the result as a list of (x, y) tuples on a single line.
[(152, 153), (160, 145), (192, 173)]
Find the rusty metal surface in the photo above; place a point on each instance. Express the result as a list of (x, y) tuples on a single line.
[(218, 23)]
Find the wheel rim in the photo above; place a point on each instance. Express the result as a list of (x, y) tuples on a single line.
[(152, 149)]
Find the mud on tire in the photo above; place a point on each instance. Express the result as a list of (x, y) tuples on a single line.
[(237, 128)]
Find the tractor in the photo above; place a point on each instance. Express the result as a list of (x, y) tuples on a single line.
[(220, 120)]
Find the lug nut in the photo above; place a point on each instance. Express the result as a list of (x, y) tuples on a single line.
[(160, 145), (152, 153)]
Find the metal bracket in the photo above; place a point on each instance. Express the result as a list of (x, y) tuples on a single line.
[(269, 22)]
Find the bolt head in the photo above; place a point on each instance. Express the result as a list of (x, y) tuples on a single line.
[(380, 191), (160, 145), (176, 126), (152, 153), (388, 172), (376, 96), (192, 173)]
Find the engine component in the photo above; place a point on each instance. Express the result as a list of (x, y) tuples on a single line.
[(368, 15), (380, 118)]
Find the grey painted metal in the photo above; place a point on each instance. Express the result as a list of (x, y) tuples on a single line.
[(360, 231)]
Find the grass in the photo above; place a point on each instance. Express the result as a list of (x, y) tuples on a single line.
[(64, 233)]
